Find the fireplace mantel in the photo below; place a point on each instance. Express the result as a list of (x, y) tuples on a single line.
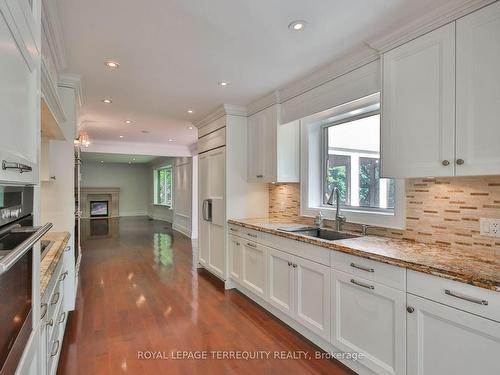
[(110, 194)]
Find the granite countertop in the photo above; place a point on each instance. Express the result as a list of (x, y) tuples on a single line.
[(474, 267), (49, 262)]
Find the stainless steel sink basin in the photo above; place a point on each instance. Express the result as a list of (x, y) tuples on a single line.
[(324, 234)]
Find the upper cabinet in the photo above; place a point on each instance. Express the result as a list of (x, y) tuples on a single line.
[(273, 149), (19, 93), (478, 92), (439, 99)]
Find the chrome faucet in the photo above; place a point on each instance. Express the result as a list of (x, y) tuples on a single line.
[(339, 219)]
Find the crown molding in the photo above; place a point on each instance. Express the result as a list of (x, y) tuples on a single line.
[(52, 29), (221, 111), (137, 148), (72, 81), (264, 102), (48, 86), (438, 17)]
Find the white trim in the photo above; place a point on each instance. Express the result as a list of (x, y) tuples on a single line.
[(221, 111), (73, 81), (50, 94), (53, 31), (138, 148), (264, 102), (181, 229)]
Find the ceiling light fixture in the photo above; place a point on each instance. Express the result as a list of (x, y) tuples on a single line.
[(297, 25), (112, 64), (107, 101), (170, 140), (223, 83), (190, 111), (128, 122), (121, 136), (190, 127)]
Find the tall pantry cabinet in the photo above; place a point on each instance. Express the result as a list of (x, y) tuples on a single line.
[(223, 190)]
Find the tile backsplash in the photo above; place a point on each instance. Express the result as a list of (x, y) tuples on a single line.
[(442, 211)]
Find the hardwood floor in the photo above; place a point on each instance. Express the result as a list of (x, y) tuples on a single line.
[(139, 291)]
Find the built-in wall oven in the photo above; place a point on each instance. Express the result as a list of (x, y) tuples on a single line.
[(17, 240)]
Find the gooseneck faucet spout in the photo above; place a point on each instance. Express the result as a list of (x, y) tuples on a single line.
[(339, 219)]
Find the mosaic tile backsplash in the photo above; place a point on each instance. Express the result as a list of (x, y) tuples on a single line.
[(441, 211)]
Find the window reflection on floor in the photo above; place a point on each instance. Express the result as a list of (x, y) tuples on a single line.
[(162, 249)]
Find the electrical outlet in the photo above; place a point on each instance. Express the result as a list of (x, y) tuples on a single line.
[(489, 227)]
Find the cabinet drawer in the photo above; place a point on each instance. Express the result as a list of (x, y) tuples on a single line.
[(479, 301), (382, 273)]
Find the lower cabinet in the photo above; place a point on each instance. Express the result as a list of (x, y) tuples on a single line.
[(254, 266), (369, 317), (235, 255), (442, 340), (301, 289)]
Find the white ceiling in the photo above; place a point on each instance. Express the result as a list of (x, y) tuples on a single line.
[(173, 53), (96, 157)]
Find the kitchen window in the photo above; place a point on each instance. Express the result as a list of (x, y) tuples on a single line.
[(341, 147), (163, 186), (352, 164)]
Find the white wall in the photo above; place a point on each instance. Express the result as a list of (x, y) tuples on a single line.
[(132, 179)]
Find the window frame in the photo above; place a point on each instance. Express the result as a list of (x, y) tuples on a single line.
[(345, 118), (157, 186), (312, 168)]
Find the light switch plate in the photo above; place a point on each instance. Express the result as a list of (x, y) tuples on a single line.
[(489, 227)]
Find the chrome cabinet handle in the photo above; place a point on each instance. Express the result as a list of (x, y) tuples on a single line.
[(67, 248), (233, 230), (259, 176), (13, 165), (410, 309), (62, 317), (237, 244), (251, 244), (290, 264), (54, 351), (359, 283), (460, 161), (63, 276), (466, 298), (55, 298), (50, 322), (44, 308), (251, 235), (363, 268), (445, 163), (294, 265)]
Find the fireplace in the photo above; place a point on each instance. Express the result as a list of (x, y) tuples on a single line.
[(99, 209)]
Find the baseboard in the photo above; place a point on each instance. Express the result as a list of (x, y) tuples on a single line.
[(160, 219), (179, 228)]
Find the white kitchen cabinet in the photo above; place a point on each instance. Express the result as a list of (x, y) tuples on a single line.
[(19, 91), (442, 340), (478, 93), (281, 278), (235, 258), (418, 106), (273, 149), (254, 268), (369, 317), (313, 296), (203, 193)]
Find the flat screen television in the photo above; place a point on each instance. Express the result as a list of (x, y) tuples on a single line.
[(98, 208)]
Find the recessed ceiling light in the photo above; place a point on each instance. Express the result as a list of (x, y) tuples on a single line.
[(112, 64), (107, 101), (102, 161), (190, 127), (121, 136), (128, 121), (223, 83), (297, 25), (190, 111), (170, 140)]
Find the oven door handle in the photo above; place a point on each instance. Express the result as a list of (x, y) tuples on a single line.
[(10, 259)]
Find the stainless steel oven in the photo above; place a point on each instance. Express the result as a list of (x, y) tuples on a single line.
[(17, 240)]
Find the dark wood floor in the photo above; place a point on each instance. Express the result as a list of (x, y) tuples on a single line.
[(139, 291)]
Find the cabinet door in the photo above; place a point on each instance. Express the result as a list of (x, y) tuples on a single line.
[(478, 92), (217, 250), (418, 107), (368, 317), (281, 281), (254, 268), (235, 257), (262, 145), (19, 98), (445, 341), (312, 285), (203, 193)]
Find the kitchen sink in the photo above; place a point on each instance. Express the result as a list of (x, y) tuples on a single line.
[(324, 234)]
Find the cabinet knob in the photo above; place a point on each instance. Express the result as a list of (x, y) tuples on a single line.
[(460, 161), (410, 309), (259, 176), (445, 163)]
